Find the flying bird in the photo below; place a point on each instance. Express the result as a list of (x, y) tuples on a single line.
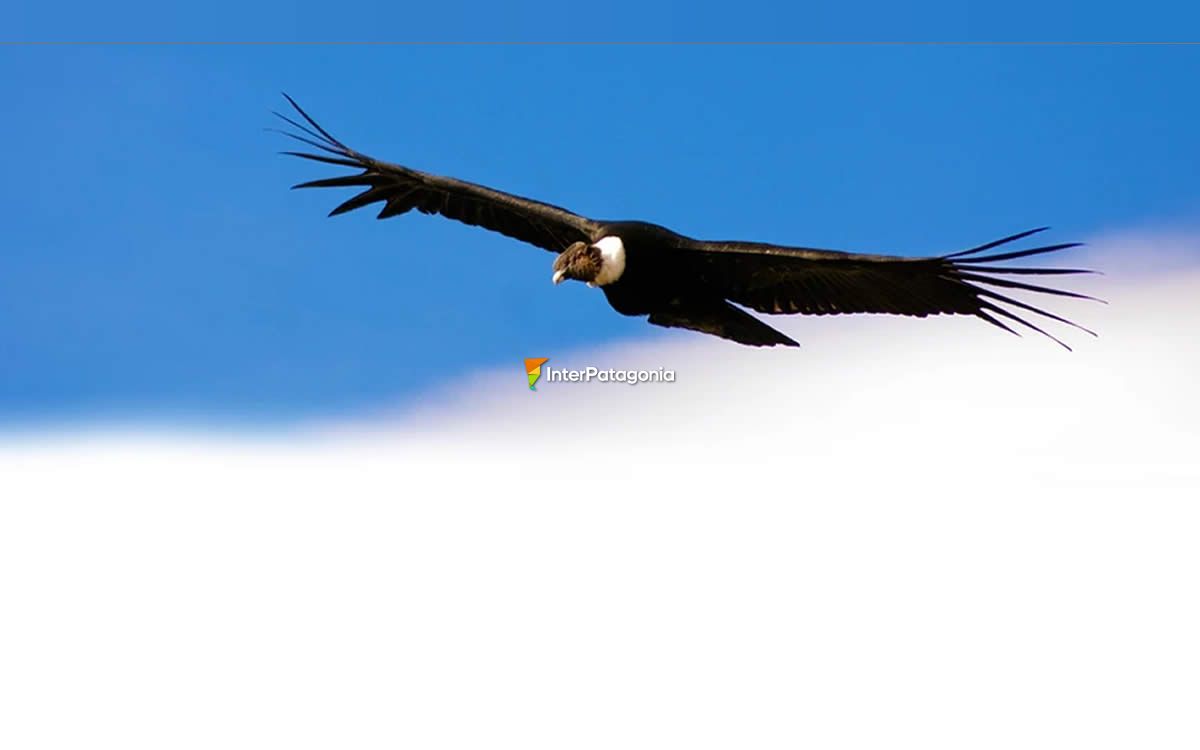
[(678, 282)]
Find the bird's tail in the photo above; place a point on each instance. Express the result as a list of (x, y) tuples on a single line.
[(724, 320)]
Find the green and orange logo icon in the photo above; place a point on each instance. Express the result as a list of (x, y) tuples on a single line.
[(533, 367)]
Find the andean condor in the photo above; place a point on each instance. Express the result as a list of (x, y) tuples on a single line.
[(680, 282)]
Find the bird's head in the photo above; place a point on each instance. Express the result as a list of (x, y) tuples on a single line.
[(580, 261), (596, 264)]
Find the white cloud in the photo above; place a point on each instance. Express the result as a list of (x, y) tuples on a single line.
[(907, 533)]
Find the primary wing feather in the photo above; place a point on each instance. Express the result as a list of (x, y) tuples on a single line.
[(401, 189)]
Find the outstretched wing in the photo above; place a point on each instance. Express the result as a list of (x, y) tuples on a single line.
[(401, 189), (780, 280)]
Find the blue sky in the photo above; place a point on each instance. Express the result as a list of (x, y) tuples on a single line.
[(522, 20), (155, 263)]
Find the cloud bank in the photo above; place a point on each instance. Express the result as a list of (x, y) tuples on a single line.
[(907, 533)]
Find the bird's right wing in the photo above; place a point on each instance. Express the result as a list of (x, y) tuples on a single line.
[(401, 190)]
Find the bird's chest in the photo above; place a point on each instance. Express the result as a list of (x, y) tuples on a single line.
[(644, 286)]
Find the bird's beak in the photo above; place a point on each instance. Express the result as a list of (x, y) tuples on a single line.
[(558, 276)]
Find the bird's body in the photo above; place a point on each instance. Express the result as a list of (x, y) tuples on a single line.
[(654, 283), (648, 270)]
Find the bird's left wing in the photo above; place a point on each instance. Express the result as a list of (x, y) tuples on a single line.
[(401, 189), (781, 280)]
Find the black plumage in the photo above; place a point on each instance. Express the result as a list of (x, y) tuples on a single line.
[(702, 285)]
